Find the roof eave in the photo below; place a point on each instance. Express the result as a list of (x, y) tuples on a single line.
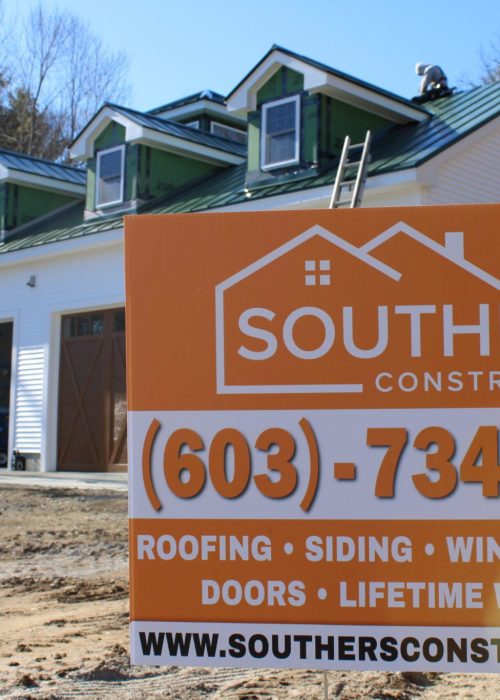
[(183, 147), (19, 177), (364, 98)]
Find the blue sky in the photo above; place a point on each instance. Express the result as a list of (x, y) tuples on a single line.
[(177, 47)]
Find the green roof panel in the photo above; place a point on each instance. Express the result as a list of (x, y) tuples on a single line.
[(44, 168)]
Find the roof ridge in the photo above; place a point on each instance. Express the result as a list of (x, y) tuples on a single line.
[(194, 97)]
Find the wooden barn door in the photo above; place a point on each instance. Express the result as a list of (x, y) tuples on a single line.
[(92, 432)]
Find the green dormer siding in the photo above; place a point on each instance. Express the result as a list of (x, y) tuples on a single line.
[(253, 157), (4, 193), (113, 135), (160, 172), (284, 82), (338, 120), (20, 204), (90, 194)]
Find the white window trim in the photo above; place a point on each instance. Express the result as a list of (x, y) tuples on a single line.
[(296, 158), (226, 126), (98, 176)]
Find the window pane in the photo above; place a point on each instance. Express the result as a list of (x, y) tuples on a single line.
[(67, 327), (97, 325), (109, 190), (228, 133), (281, 118), (280, 148), (83, 326), (281, 135), (119, 321), (110, 176), (110, 164)]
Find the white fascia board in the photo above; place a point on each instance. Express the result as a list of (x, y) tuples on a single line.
[(183, 147), (83, 147), (72, 246), (40, 182), (244, 99), (199, 106), (364, 98)]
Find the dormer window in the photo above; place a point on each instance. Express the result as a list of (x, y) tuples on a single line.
[(110, 176), (228, 132), (280, 143)]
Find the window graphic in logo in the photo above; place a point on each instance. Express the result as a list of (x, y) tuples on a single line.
[(319, 315)]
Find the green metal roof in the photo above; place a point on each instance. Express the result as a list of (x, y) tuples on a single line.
[(395, 149), (61, 226), (41, 167)]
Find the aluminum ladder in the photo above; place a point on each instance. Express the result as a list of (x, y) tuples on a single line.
[(345, 180)]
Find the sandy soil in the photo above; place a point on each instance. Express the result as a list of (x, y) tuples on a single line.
[(64, 618)]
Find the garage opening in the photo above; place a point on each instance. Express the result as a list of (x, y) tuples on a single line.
[(92, 434), (5, 381)]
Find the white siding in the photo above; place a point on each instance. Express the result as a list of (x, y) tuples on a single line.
[(472, 175), (29, 400), (409, 196), (84, 279)]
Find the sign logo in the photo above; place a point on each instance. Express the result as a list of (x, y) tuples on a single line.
[(304, 312)]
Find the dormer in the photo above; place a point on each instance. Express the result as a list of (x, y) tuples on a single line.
[(134, 157), (207, 112), (299, 112), (33, 188)]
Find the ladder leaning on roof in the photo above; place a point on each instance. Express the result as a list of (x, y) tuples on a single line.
[(344, 182)]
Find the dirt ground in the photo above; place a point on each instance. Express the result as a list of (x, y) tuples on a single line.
[(64, 618)]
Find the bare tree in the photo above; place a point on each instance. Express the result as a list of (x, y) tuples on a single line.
[(92, 74), (60, 75), (490, 59), (41, 48)]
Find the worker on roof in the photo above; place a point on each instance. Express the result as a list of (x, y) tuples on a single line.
[(433, 77)]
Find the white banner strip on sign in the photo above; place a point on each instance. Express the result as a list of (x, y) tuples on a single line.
[(348, 647), (338, 439)]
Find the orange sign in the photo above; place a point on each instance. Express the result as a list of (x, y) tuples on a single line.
[(313, 416)]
